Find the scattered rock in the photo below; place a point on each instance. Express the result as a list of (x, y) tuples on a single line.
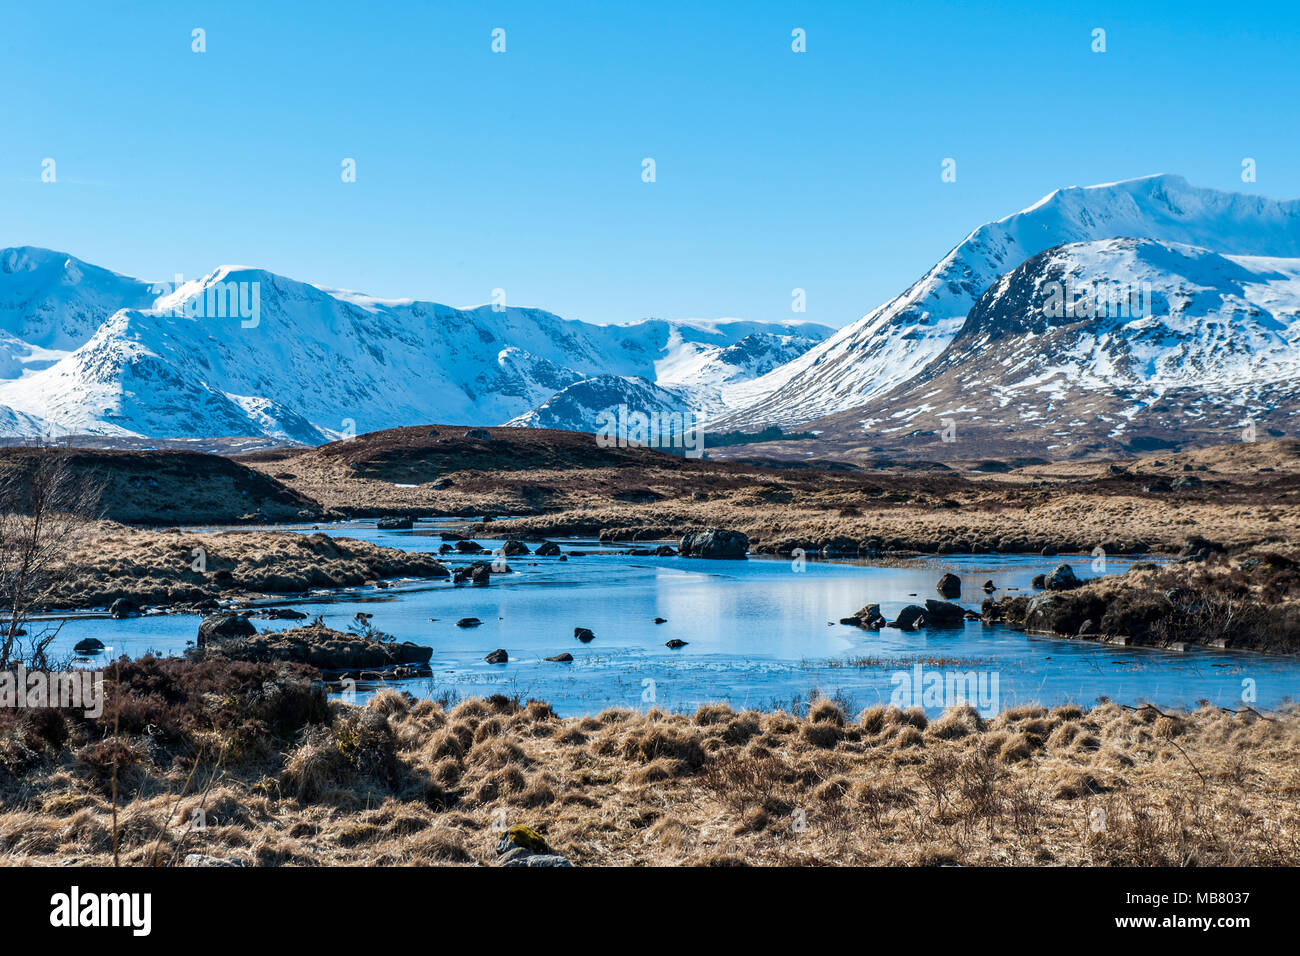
[(869, 617), (583, 634), (909, 618), (479, 434), (521, 857), (338, 652), (1062, 578), (548, 549), (661, 620), (224, 627), (989, 587), (89, 645), (714, 543), (468, 622), (949, 586), (665, 551), (520, 836), (675, 643), (123, 607), (1185, 483), (281, 614), (469, 547), (499, 656), (394, 524), (561, 658), (943, 614), (514, 547), (1040, 581)]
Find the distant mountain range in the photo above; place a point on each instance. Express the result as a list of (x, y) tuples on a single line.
[(87, 351), (1135, 315)]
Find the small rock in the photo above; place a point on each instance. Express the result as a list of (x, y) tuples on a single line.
[(943, 614), (949, 586), (123, 607), (394, 524), (548, 549), (203, 859), (479, 434), (561, 658), (89, 645), (989, 587), (1062, 578), (499, 656), (521, 836), (716, 543), (661, 620), (909, 618), (468, 622), (584, 634), (675, 643)]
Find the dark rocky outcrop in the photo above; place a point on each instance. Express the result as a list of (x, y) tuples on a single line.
[(909, 618), (868, 617), (714, 543), (584, 634), (949, 586), (675, 643), (224, 627), (548, 549), (499, 656), (123, 608), (561, 658), (394, 524), (943, 614), (468, 622), (1062, 578)]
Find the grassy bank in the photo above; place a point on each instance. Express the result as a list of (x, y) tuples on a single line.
[(283, 777)]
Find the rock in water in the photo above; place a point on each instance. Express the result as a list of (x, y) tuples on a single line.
[(499, 656), (124, 607), (561, 658), (548, 549), (943, 614), (224, 627), (909, 618), (514, 547), (989, 587), (584, 634), (468, 622), (1061, 579), (949, 586), (89, 645), (714, 543), (394, 524), (675, 643)]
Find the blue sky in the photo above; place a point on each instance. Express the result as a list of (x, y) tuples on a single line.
[(522, 170)]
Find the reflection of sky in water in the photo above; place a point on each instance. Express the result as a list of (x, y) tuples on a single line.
[(758, 634)]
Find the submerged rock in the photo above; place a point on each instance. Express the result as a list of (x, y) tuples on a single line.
[(714, 543), (123, 607), (944, 614), (1061, 579), (224, 627), (909, 618)]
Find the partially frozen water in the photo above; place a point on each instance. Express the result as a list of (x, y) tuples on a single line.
[(758, 633)]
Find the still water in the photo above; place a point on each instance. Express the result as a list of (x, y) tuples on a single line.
[(759, 633)]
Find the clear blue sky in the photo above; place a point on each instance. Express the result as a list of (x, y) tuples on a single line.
[(522, 170)]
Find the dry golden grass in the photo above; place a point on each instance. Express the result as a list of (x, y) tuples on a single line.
[(166, 567), (400, 782)]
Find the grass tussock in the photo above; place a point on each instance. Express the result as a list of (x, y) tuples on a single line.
[(405, 782)]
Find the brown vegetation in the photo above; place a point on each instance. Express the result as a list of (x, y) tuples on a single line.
[(281, 777)]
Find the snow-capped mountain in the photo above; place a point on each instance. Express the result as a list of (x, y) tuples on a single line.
[(1114, 345), (243, 351), (896, 341), (576, 408), (700, 380)]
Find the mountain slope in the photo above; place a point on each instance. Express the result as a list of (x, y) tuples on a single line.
[(309, 364), (895, 341), (1209, 344)]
